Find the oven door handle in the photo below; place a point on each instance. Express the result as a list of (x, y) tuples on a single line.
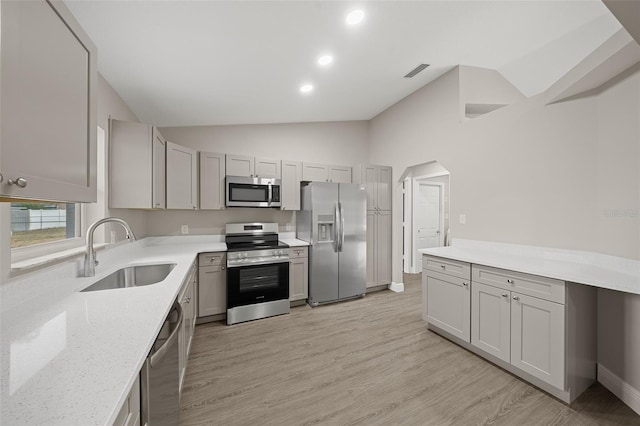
[(230, 264)]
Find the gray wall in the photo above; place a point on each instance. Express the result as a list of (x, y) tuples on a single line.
[(339, 143), (563, 175)]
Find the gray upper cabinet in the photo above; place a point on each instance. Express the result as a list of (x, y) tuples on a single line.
[(212, 172), (137, 157), (48, 89), (377, 180), (314, 172), (182, 177), (239, 165), (244, 165), (290, 190)]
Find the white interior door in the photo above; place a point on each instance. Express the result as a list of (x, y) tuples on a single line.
[(427, 219)]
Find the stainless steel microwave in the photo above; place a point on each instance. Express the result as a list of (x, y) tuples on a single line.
[(245, 191)]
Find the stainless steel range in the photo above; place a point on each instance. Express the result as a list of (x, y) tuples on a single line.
[(257, 272)]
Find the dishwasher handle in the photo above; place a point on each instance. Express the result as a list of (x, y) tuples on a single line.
[(157, 356)]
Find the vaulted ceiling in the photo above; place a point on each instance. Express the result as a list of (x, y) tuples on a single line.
[(179, 63)]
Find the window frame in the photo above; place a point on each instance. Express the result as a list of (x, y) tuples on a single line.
[(20, 254)]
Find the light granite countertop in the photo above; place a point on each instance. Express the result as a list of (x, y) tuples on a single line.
[(71, 358), (594, 269)]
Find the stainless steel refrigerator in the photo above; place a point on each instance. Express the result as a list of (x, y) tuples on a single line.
[(333, 220)]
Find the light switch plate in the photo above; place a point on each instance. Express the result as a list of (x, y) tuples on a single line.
[(463, 219)]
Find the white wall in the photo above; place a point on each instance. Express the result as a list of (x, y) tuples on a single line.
[(339, 143)]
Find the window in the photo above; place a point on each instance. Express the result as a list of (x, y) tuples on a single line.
[(40, 223)]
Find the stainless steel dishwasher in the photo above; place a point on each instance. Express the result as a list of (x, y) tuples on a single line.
[(160, 375)]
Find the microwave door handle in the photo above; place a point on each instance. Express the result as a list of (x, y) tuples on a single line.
[(270, 193)]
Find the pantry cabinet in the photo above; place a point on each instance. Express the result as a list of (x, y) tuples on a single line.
[(212, 284), (48, 127), (137, 166), (298, 273), (377, 182), (212, 172), (378, 248), (182, 177), (290, 189)]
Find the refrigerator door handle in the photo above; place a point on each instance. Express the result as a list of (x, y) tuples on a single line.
[(341, 225), (336, 231)]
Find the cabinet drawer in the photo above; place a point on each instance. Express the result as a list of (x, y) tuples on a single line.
[(209, 259), (447, 266), (531, 285), (295, 252)]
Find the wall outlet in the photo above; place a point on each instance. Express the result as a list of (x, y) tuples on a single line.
[(463, 219), (288, 227), (184, 229)]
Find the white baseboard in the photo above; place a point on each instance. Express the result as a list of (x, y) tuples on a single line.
[(396, 287), (623, 390)]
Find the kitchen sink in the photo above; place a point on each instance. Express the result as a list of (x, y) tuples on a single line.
[(133, 276)]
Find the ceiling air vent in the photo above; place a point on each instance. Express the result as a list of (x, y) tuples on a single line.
[(416, 70)]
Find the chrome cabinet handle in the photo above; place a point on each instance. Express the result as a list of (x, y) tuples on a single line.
[(510, 281), (465, 284), (1, 178), (223, 268), (442, 266), (516, 298), (20, 182), (505, 295)]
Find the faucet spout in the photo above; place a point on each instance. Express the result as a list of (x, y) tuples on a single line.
[(90, 261)]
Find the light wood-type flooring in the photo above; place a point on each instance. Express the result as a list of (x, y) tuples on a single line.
[(369, 361)]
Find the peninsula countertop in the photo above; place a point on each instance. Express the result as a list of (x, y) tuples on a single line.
[(594, 269)]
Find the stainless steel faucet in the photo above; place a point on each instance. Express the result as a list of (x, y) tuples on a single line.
[(90, 261)]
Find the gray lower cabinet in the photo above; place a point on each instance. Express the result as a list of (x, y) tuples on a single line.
[(212, 284), (298, 273), (538, 328), (378, 248), (129, 414), (188, 301), (48, 127)]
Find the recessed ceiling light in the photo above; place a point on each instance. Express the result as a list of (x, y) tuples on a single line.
[(325, 60), (355, 17), (306, 88)]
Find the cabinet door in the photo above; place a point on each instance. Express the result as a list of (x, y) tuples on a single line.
[(315, 172), (491, 320), (383, 188), (158, 170), (340, 174), (212, 290), (449, 304), (290, 190), (267, 168), (370, 180), (298, 279), (537, 338), (131, 163), (383, 247), (371, 249), (48, 126), (212, 172), (182, 177), (239, 165)]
